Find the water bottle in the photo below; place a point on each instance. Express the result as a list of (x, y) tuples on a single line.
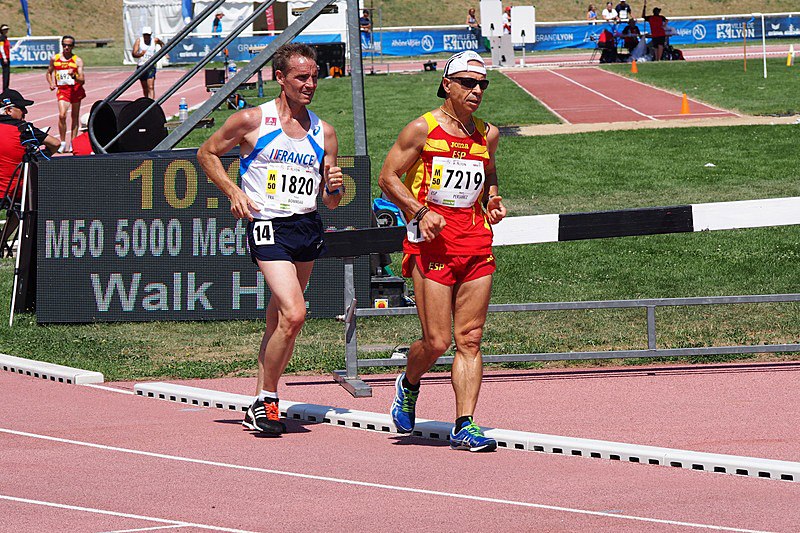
[(183, 110), (231, 69)]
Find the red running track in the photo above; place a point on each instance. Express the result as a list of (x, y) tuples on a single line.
[(591, 95), (87, 459), (99, 84)]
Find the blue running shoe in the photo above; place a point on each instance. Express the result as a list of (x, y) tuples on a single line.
[(470, 437), (404, 405)]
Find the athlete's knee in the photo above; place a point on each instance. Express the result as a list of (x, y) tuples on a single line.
[(292, 320), (469, 342), (436, 345)]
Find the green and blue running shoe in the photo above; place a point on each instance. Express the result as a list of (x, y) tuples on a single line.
[(470, 437), (404, 405)]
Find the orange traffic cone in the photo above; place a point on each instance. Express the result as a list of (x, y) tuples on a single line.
[(634, 68), (685, 106)]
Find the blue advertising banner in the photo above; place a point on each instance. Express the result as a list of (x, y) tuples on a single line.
[(685, 31), (193, 49), (33, 52), (422, 42)]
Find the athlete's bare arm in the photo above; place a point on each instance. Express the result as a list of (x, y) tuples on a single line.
[(49, 75), (495, 209), (137, 52), (239, 129), (79, 71), (332, 178), (405, 151)]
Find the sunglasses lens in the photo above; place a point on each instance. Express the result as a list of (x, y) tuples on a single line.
[(471, 83)]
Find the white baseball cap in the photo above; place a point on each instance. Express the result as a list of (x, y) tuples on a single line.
[(147, 30), (460, 63)]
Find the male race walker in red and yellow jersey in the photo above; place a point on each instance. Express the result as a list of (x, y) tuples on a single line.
[(450, 199), (65, 74)]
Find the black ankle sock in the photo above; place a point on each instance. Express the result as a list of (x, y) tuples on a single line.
[(408, 385), (462, 421)]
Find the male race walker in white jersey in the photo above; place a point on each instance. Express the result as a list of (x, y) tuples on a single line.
[(287, 157)]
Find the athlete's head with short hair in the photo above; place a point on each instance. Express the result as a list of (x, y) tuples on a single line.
[(282, 56), (296, 72)]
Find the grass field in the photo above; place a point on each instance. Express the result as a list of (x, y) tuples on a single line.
[(564, 173)]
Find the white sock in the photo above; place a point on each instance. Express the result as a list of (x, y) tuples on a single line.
[(265, 394)]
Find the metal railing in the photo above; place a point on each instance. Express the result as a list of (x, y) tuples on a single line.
[(349, 379)]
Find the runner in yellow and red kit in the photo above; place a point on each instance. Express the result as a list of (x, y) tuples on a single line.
[(450, 200), (65, 73)]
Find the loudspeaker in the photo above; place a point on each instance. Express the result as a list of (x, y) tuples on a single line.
[(215, 76), (113, 117)]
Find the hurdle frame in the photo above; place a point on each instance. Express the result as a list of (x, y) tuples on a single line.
[(349, 379)]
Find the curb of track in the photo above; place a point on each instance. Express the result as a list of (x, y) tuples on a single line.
[(516, 440), (48, 371)]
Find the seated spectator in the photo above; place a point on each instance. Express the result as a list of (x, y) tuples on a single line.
[(631, 34), (623, 11), (610, 14), (365, 25), (591, 14), (82, 145)]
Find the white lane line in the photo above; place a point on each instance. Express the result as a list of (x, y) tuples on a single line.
[(121, 515), (156, 528), (111, 389), (598, 93), (553, 111), (398, 488)]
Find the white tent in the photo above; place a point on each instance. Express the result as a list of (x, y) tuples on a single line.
[(233, 15), (164, 16)]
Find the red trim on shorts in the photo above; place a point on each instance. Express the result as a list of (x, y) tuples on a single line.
[(450, 270)]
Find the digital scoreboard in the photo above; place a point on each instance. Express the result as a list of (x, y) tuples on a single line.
[(147, 236)]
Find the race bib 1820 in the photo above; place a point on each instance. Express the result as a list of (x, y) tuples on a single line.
[(292, 187)]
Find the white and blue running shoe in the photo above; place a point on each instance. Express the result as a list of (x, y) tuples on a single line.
[(404, 405), (470, 437)]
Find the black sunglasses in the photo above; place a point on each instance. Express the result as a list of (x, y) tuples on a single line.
[(470, 83)]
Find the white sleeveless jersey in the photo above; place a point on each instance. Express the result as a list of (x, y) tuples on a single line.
[(148, 49), (282, 174)]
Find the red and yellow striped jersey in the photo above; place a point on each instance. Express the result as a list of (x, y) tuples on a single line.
[(467, 231)]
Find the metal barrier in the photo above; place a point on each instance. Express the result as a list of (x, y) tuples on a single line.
[(350, 244), (348, 378)]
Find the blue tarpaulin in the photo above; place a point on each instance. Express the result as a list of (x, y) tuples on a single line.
[(417, 42), (193, 49)]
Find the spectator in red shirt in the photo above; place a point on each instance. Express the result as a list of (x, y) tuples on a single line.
[(5, 56), (82, 145), (657, 33), (16, 136)]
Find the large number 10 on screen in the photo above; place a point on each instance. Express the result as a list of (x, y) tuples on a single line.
[(176, 170)]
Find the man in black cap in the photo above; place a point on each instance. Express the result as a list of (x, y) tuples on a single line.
[(16, 137)]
